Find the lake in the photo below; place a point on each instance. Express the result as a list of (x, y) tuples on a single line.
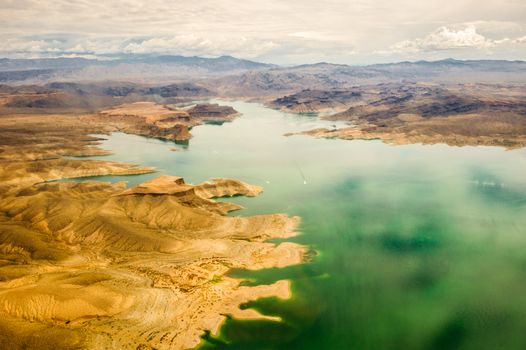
[(413, 247)]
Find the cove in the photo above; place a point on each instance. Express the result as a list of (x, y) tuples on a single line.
[(416, 246)]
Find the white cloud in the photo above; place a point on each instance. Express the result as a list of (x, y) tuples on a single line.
[(181, 44), (445, 38), (292, 31), (193, 44), (29, 46), (318, 36)]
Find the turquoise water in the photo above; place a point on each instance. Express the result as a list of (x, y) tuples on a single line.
[(418, 247)]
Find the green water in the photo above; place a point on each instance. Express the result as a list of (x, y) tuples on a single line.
[(418, 247)]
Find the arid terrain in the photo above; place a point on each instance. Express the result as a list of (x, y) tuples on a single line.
[(448, 101), (97, 265), (459, 115), (262, 175)]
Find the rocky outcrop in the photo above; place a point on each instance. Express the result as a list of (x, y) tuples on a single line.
[(181, 90), (162, 121), (96, 265), (317, 100), (427, 113), (143, 266), (508, 131), (219, 187), (212, 112)]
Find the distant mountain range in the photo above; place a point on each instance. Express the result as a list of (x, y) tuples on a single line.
[(238, 77), (134, 68), (326, 76), (223, 63)]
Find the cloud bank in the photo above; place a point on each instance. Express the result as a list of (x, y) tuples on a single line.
[(293, 31), (445, 38)]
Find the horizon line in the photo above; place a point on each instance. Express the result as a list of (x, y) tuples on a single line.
[(144, 56)]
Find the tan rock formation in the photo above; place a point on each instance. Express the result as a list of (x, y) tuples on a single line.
[(151, 119), (95, 265)]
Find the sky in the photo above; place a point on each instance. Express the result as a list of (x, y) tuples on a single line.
[(274, 31)]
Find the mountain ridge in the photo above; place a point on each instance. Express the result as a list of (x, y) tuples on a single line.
[(229, 72)]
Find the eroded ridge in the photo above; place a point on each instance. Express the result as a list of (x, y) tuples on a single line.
[(97, 265), (457, 115), (163, 121)]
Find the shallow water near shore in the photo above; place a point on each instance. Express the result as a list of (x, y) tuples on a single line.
[(418, 247)]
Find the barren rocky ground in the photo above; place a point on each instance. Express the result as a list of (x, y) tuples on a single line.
[(96, 265)]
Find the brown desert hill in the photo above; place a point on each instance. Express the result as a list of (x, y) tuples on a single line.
[(212, 112), (96, 265), (130, 267), (214, 188), (276, 82), (20, 173), (466, 114), (148, 119), (432, 101), (40, 137), (70, 97), (59, 101), (317, 100), (32, 148), (151, 119), (219, 187), (140, 68)]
